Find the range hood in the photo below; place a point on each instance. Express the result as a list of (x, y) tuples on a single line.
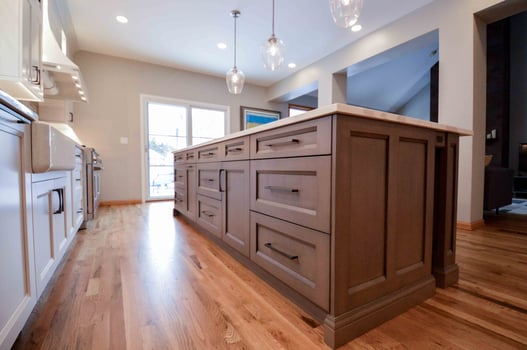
[(61, 77)]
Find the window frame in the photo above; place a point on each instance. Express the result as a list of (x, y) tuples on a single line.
[(188, 105)]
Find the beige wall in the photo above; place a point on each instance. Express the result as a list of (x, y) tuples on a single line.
[(461, 78), (114, 87)]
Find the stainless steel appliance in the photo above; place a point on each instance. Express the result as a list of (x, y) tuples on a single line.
[(94, 167)]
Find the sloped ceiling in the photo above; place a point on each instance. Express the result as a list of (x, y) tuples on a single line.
[(388, 81)]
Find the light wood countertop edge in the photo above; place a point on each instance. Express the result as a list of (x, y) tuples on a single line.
[(342, 109)]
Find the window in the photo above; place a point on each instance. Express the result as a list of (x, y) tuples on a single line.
[(297, 109), (172, 125)]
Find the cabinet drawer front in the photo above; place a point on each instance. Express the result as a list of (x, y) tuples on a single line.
[(180, 176), (209, 215), (209, 153), (304, 139), (180, 200), (296, 255), (179, 158), (190, 156), (296, 190), (236, 149), (209, 180)]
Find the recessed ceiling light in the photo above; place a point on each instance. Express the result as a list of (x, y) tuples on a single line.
[(121, 19), (222, 46), (292, 65), (356, 28)]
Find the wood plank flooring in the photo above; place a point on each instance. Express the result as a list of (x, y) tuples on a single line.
[(138, 278)]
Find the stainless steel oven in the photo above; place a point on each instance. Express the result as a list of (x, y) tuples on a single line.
[(94, 169)]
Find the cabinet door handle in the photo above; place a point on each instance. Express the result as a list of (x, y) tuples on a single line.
[(180, 176), (289, 256), (221, 184), (237, 149), (210, 180), (281, 189), (78, 156), (80, 210), (60, 193), (207, 213), (285, 143), (179, 200), (36, 81)]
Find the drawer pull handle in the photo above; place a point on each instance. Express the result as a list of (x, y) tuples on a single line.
[(78, 156), (207, 213), (210, 154), (189, 166), (179, 158), (210, 180), (190, 156), (180, 176), (282, 189), (285, 143), (237, 149), (289, 256), (179, 200)]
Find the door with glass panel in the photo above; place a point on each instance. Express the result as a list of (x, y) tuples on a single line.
[(172, 126)]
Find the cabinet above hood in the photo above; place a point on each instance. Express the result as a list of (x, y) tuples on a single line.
[(62, 78)]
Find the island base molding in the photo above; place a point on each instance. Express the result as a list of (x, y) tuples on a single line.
[(338, 330)]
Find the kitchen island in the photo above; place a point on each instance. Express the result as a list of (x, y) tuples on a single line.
[(348, 211)]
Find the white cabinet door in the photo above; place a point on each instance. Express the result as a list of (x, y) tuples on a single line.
[(43, 233), (21, 50), (16, 297)]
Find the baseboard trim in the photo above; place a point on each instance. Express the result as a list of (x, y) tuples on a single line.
[(123, 202), (470, 226)]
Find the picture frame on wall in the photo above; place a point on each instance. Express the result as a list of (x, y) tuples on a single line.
[(251, 117)]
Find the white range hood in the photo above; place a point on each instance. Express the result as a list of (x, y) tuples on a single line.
[(62, 78)]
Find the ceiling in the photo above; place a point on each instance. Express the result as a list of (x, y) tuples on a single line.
[(183, 33)]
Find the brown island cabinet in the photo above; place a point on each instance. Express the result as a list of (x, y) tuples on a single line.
[(349, 212)]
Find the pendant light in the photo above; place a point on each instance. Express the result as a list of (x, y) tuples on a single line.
[(235, 77), (345, 13), (273, 51)]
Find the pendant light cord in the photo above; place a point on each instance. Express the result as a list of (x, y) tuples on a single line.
[(235, 18), (273, 17)]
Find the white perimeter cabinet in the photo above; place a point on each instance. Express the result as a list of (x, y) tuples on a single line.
[(50, 225), (17, 287), (37, 225), (21, 49)]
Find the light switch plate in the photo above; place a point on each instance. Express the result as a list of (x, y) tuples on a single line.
[(124, 140)]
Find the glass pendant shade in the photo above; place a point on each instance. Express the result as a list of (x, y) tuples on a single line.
[(235, 80), (235, 77), (345, 13), (273, 53)]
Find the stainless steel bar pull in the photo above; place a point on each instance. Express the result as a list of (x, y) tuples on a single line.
[(282, 189), (285, 143), (289, 256)]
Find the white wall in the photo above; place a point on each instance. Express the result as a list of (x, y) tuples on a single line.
[(114, 87), (461, 80)]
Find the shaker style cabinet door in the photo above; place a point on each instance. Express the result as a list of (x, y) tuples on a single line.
[(16, 293), (235, 184)]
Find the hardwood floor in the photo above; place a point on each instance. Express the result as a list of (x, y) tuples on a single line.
[(139, 279)]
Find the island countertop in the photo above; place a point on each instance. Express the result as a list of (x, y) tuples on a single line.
[(341, 109)]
